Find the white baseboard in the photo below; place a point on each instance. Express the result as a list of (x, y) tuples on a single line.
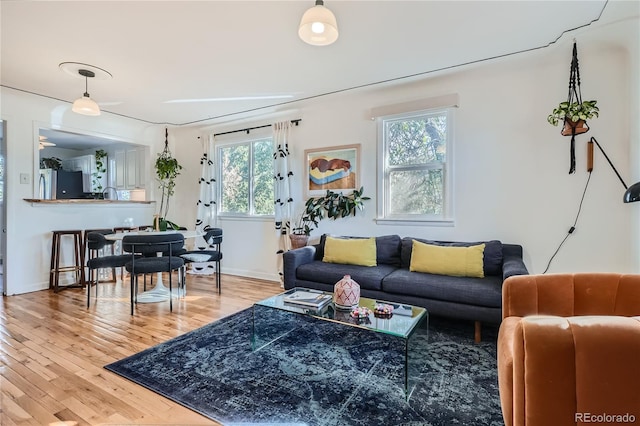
[(251, 274), (30, 288)]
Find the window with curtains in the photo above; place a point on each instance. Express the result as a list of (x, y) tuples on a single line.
[(246, 178), (415, 166)]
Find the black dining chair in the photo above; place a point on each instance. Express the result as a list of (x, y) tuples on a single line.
[(95, 242), (209, 253), (151, 254)]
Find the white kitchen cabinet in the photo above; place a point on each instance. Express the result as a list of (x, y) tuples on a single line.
[(141, 175), (131, 168), (120, 157)]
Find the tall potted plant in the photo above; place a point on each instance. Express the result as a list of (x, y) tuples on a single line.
[(167, 170)]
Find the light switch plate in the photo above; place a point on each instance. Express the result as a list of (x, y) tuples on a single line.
[(24, 178)]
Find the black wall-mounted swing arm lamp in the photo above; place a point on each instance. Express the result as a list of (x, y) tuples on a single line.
[(632, 192)]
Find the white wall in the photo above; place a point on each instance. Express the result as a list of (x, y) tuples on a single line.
[(29, 226), (511, 167)]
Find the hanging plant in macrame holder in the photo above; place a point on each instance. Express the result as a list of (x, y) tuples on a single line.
[(574, 112), (167, 170)]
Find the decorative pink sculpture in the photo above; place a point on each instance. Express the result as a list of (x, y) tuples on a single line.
[(346, 293)]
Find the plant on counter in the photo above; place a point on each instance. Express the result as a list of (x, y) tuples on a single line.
[(51, 163), (96, 182), (167, 170)]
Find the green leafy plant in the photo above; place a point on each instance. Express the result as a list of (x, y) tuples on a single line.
[(573, 111), (333, 205), (167, 170), (101, 154), (306, 222)]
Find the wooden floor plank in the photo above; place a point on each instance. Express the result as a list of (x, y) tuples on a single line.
[(53, 350), (37, 410)]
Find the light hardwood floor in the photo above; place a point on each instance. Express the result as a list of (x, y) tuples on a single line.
[(53, 349)]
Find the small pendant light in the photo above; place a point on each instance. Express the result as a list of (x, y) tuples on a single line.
[(85, 105), (318, 26)]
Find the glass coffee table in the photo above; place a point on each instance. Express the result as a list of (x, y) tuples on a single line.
[(402, 324)]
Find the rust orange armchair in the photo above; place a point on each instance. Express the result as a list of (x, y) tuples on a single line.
[(569, 349)]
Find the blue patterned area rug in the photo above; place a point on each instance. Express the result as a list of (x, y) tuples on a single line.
[(324, 374)]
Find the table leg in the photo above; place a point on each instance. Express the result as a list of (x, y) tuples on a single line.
[(159, 293), (413, 360)]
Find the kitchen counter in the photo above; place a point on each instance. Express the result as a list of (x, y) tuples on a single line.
[(84, 201)]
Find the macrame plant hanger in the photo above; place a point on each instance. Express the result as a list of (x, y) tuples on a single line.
[(166, 152), (572, 128)]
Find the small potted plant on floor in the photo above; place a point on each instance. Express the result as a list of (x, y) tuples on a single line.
[(306, 222), (574, 116)]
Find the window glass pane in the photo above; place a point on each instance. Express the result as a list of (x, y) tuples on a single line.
[(416, 140), (263, 177), (235, 179), (416, 192)]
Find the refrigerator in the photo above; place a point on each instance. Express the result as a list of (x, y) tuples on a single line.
[(59, 184)]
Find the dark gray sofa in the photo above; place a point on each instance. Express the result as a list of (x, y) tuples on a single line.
[(476, 299)]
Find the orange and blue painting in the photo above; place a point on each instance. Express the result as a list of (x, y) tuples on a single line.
[(333, 168)]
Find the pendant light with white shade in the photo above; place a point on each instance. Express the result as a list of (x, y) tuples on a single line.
[(85, 105), (318, 26)]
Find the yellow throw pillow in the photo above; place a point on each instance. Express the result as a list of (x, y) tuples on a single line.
[(447, 260), (351, 251)]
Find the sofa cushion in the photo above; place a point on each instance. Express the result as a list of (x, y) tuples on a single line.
[(352, 251), (446, 260), (492, 261), (387, 248), (485, 291), (331, 273)]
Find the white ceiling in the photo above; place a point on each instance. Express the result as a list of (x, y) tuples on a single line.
[(168, 50), (73, 141)]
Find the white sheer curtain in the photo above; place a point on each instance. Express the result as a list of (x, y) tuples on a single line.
[(283, 177), (207, 210)]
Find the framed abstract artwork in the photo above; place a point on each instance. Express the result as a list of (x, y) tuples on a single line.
[(336, 168)]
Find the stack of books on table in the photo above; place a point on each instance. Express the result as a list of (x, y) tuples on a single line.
[(309, 299)]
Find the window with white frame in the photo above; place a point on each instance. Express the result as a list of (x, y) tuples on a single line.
[(416, 166), (246, 178)]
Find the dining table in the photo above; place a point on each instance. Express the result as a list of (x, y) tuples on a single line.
[(160, 292)]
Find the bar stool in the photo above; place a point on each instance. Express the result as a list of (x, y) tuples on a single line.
[(77, 267)]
